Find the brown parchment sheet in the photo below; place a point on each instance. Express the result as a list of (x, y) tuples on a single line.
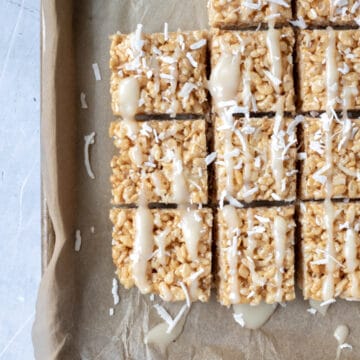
[(72, 315)]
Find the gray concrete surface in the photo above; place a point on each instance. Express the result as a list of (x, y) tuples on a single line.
[(19, 174)]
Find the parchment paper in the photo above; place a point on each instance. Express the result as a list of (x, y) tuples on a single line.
[(72, 317)]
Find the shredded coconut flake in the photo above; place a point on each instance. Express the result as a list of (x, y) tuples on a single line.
[(262, 219), (251, 5), (168, 60), (77, 240), (186, 293), (239, 318), (355, 7), (257, 230), (210, 158), (199, 44), (327, 302), (299, 22), (312, 311), (275, 196), (320, 251), (301, 156), (319, 178), (232, 201), (111, 311), (166, 76), (96, 70), (317, 147), (319, 262), (250, 192), (346, 346), (89, 140), (177, 318), (347, 171), (84, 104), (344, 70), (280, 2), (115, 291), (92, 229), (166, 31), (272, 16), (164, 314), (195, 184), (191, 60), (275, 81), (186, 91), (195, 275)]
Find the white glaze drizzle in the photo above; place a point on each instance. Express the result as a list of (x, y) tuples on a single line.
[(247, 95), (128, 100), (228, 159), (179, 185), (350, 253), (279, 233), (277, 162), (347, 126), (233, 233), (274, 9), (332, 90), (191, 228), (340, 334), (273, 44), (194, 284), (225, 77), (251, 246), (332, 9), (332, 74), (248, 157), (254, 316), (174, 72), (129, 94), (190, 221), (160, 334), (160, 241), (143, 247), (223, 86)]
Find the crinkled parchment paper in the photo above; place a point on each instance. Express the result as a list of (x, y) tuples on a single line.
[(72, 318)]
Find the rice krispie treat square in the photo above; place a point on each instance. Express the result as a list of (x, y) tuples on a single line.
[(256, 158), (265, 66), (328, 12), (170, 69), (164, 251), (344, 170), (330, 250), (223, 13), (320, 61), (255, 255), (159, 160)]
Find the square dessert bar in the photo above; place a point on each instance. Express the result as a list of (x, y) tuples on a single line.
[(164, 251), (162, 159), (266, 66), (170, 69), (223, 13), (255, 255), (326, 12), (344, 170), (330, 253), (256, 158), (342, 66)]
